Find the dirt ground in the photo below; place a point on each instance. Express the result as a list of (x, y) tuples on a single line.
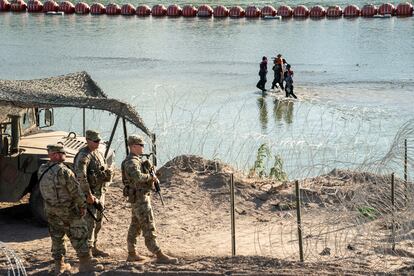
[(194, 226)]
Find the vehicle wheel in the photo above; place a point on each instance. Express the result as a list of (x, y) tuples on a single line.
[(37, 207)]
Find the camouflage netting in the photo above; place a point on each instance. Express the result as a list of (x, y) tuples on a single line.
[(72, 90)]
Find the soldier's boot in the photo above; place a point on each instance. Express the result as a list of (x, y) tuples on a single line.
[(86, 264), (61, 266), (98, 253), (165, 259), (133, 257)]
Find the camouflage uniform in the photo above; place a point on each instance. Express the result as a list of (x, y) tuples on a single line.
[(142, 219), (89, 167), (63, 200)]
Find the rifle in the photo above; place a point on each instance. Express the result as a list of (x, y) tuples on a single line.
[(156, 184), (99, 207)]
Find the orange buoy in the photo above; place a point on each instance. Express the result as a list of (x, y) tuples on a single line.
[(159, 10), (236, 12), (189, 11), (174, 10), (143, 10), (205, 11), (67, 7), (317, 11), (369, 10), (221, 11), (301, 11), (352, 11), (404, 9), (18, 6), (82, 8), (98, 8), (50, 6), (253, 11), (334, 11), (4, 5), (113, 9), (285, 11), (386, 8), (268, 11), (34, 6), (128, 9)]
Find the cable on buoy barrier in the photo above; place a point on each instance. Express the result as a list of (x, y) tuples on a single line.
[(251, 11)]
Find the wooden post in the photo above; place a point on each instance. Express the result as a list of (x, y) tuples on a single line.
[(393, 210), (299, 220), (233, 225), (405, 171), (84, 121)]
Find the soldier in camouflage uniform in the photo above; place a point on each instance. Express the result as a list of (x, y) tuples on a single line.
[(138, 185), (65, 207), (93, 175)]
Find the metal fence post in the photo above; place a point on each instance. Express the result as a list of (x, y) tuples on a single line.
[(299, 220), (393, 210), (233, 228)]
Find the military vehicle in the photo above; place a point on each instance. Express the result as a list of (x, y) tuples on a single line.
[(26, 116)]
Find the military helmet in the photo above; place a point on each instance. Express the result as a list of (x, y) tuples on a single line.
[(56, 148), (93, 135), (135, 140)]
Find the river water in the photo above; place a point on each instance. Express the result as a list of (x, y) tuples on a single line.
[(193, 82)]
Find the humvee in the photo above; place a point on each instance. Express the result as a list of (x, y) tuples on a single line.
[(26, 114)]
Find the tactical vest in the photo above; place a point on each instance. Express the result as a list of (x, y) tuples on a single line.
[(52, 187)]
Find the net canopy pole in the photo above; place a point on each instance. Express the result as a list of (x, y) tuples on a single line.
[(125, 136), (112, 136)]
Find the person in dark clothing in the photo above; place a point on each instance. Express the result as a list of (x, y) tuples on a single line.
[(262, 73), (289, 82), (276, 69)]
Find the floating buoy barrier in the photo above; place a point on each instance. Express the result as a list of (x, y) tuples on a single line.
[(352, 11), (67, 7), (82, 8), (128, 9), (98, 8), (301, 11), (404, 9), (385, 10), (4, 5), (285, 11), (369, 10), (189, 11), (18, 6), (205, 11), (174, 10), (236, 12), (317, 12), (268, 11), (159, 10), (34, 6), (50, 5), (143, 10), (113, 9), (334, 11), (253, 11), (221, 11)]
